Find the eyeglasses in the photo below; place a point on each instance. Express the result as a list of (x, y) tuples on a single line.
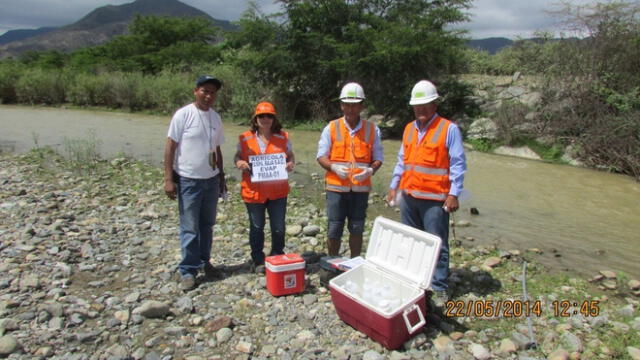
[(266, 115)]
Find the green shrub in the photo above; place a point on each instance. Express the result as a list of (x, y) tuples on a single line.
[(38, 86), (90, 90), (126, 92), (10, 72), (169, 91)]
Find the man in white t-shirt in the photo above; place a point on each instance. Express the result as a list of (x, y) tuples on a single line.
[(193, 173)]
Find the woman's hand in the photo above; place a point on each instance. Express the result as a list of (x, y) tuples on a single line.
[(243, 165), (290, 166)]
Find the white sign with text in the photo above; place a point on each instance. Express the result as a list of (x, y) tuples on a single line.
[(268, 167)]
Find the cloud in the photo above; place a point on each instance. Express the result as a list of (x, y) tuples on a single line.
[(32, 14), (488, 17)]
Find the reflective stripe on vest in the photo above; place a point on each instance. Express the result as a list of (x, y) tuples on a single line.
[(426, 170), (422, 194)]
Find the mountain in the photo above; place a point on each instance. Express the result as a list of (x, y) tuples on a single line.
[(491, 45), (17, 35), (101, 25)]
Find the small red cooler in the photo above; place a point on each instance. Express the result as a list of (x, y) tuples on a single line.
[(285, 274), (385, 296)]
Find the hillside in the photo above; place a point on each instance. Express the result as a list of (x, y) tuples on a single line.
[(491, 45), (21, 34), (101, 25)]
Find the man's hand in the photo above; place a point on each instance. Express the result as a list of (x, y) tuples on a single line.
[(391, 196), (170, 189), (223, 184), (364, 175), (451, 204), (340, 170)]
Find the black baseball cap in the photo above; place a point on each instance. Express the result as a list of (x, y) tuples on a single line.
[(203, 79)]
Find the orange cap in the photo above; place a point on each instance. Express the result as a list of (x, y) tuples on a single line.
[(265, 108)]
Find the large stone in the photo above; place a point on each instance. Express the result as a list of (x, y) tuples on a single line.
[(218, 323), (294, 230), (373, 355), (29, 281), (522, 152), (122, 316), (223, 335), (443, 344), (507, 346), (8, 345), (608, 274), (512, 92), (483, 128), (531, 99), (244, 347), (571, 342), (560, 354), (479, 352), (152, 309), (492, 262), (633, 352), (571, 155), (626, 311), (311, 230)]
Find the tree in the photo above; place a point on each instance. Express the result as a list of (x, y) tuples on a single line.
[(306, 53), (154, 43), (597, 76)]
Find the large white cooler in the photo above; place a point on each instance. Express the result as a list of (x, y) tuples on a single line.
[(399, 265)]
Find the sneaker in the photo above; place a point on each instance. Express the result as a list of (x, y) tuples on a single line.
[(187, 282), (440, 298), (210, 272)]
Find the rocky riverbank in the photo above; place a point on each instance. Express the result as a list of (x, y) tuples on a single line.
[(87, 272)]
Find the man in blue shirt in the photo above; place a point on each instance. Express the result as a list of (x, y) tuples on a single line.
[(350, 151), (428, 176)]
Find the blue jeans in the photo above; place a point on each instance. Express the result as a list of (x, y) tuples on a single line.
[(346, 205), (197, 202), (277, 209), (429, 216)]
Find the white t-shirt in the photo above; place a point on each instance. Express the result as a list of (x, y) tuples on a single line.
[(197, 133)]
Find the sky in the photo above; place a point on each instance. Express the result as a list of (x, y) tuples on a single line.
[(489, 18)]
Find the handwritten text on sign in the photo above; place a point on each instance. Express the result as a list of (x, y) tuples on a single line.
[(268, 167)]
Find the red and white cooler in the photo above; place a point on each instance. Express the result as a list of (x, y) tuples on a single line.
[(385, 296), (285, 274)]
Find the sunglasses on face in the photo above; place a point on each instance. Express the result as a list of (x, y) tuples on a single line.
[(266, 116)]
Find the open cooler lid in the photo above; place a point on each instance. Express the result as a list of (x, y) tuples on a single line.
[(408, 252)]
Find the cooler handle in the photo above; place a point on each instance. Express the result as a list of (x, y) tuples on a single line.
[(405, 316)]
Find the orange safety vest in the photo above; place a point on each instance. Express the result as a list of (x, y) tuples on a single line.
[(426, 164), (354, 152), (260, 192)]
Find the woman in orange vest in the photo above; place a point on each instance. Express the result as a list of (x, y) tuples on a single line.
[(262, 152)]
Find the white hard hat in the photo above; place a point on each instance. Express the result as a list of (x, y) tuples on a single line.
[(352, 93), (423, 93)]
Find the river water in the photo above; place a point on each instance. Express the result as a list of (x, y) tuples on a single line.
[(583, 220)]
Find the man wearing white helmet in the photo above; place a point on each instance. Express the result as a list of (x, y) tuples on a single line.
[(428, 176), (350, 151)]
